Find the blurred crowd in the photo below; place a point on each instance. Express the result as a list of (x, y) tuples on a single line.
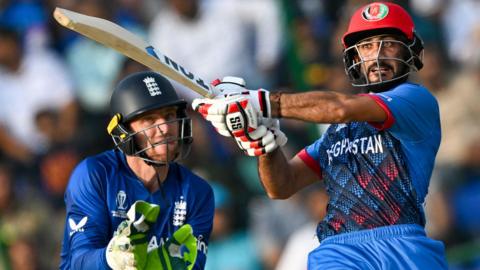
[(55, 87)]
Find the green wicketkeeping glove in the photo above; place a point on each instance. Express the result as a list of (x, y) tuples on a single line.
[(128, 247), (171, 256)]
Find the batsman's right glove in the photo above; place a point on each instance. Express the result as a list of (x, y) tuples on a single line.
[(246, 111), (268, 142)]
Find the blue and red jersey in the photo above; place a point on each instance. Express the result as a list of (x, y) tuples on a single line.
[(377, 174), (101, 190)]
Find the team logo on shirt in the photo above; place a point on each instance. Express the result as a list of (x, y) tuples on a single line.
[(179, 212), (120, 202), (77, 227)]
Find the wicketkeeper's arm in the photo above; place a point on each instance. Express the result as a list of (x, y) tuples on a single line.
[(87, 227)]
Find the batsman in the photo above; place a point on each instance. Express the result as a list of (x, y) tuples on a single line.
[(375, 159), (135, 207)]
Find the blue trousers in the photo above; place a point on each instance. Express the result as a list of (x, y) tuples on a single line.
[(390, 247)]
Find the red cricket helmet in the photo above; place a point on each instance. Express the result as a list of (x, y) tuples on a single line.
[(381, 18), (378, 17)]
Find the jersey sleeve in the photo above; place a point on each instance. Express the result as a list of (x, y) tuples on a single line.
[(201, 219), (412, 112), (87, 228), (310, 155)]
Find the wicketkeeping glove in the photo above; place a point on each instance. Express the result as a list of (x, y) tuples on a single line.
[(237, 111), (178, 253), (128, 247)]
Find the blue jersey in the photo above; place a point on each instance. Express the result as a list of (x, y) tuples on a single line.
[(101, 190), (377, 174)]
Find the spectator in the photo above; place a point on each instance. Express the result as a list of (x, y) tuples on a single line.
[(460, 114), (462, 30), (272, 222), (213, 38), (227, 240), (31, 82), (303, 240), (94, 83), (27, 228)]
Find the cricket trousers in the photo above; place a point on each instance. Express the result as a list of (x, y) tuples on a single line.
[(389, 247)]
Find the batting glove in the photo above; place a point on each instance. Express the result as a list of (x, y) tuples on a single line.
[(178, 253), (271, 140), (128, 247), (243, 110)]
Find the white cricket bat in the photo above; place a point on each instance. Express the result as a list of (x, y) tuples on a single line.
[(128, 44)]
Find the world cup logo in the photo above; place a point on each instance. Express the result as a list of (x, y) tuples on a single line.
[(121, 198)]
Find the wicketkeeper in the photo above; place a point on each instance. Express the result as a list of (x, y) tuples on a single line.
[(134, 207)]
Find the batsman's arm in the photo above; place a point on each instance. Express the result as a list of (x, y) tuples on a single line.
[(282, 178), (326, 107)]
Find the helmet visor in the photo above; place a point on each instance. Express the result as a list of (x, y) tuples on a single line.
[(159, 143)]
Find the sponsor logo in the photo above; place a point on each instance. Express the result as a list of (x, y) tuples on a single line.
[(340, 127), (387, 98), (160, 241), (169, 62), (235, 121), (201, 245), (154, 243), (77, 227), (375, 12), (364, 145), (179, 212), (152, 86)]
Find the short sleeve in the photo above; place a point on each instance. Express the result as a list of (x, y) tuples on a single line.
[(414, 111), (310, 155)]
